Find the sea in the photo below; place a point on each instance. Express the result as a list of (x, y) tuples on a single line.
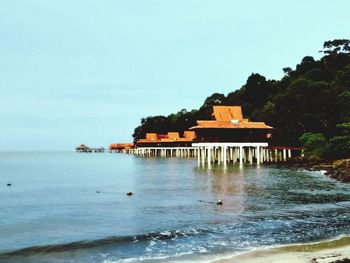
[(73, 207)]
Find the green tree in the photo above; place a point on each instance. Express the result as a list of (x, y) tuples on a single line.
[(315, 145), (204, 112), (157, 124), (336, 46), (343, 101), (255, 91), (336, 54), (340, 144), (312, 98)]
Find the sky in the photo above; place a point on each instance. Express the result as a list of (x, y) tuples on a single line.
[(83, 71)]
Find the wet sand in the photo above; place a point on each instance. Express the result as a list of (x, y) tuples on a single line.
[(321, 252)]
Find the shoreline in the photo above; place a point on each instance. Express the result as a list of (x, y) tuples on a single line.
[(335, 169), (327, 251)]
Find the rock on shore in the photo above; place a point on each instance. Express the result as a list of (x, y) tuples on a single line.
[(337, 169), (340, 170)]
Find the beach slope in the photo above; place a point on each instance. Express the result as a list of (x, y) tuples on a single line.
[(322, 252)]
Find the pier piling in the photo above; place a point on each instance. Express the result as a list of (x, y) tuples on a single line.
[(220, 153)]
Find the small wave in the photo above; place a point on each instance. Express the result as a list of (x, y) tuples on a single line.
[(338, 241), (113, 240)]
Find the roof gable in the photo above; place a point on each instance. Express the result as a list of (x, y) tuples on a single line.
[(230, 125), (229, 117), (227, 113)]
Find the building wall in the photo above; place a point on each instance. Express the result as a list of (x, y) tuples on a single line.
[(164, 144), (232, 135)]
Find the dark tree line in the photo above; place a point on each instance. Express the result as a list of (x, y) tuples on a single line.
[(311, 100)]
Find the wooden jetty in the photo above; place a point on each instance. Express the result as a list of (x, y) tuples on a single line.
[(82, 148)]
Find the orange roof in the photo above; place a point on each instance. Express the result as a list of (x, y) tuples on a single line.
[(185, 139), (168, 140), (230, 125), (151, 136), (173, 135), (116, 146), (229, 117), (190, 135), (170, 137), (147, 140), (227, 113)]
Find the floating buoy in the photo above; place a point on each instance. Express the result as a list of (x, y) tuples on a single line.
[(219, 202), (8, 184), (129, 193)]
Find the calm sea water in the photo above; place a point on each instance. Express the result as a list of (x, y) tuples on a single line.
[(69, 207)]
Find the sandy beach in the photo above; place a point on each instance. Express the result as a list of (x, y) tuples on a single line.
[(320, 252)]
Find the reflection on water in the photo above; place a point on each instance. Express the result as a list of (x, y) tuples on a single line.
[(225, 184), (74, 207)]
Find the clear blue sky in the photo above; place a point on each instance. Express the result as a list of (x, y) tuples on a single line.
[(84, 71)]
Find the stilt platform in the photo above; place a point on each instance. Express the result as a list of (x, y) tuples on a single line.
[(166, 151), (221, 152), (240, 152)]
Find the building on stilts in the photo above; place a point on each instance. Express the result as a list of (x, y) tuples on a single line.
[(227, 138)]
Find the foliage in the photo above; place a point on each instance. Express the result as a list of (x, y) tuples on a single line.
[(334, 47), (314, 97), (315, 145), (340, 144)]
